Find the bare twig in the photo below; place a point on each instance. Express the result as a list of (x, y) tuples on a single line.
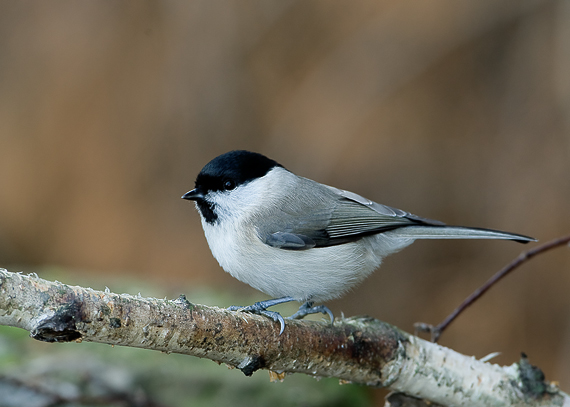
[(359, 350), (523, 257)]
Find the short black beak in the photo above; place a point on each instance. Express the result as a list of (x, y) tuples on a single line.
[(193, 195)]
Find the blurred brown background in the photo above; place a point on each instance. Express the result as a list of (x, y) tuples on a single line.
[(457, 111)]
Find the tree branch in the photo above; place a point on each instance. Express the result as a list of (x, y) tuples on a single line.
[(358, 350)]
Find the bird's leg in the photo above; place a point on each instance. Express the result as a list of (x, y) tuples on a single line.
[(261, 309), (308, 308)]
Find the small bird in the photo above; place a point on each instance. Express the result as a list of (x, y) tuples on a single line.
[(298, 240)]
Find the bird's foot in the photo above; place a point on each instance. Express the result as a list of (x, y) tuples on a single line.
[(260, 308), (308, 308)]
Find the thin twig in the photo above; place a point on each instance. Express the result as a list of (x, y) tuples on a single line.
[(523, 257)]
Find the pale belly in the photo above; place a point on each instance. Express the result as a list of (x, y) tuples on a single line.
[(317, 274)]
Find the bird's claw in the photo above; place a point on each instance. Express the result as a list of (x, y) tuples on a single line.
[(260, 308), (275, 316), (308, 308)]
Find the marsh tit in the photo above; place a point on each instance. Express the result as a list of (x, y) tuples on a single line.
[(298, 240)]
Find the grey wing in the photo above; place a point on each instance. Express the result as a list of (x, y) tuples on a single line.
[(356, 216), (409, 225), (289, 240), (343, 217), (295, 230)]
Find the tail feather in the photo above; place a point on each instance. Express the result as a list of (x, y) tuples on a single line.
[(457, 232)]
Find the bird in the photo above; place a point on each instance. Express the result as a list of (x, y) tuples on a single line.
[(296, 239)]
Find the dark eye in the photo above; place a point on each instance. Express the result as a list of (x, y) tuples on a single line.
[(229, 185)]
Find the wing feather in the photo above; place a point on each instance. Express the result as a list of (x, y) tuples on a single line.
[(339, 217)]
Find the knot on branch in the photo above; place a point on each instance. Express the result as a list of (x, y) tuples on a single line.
[(60, 327), (251, 363), (532, 379)]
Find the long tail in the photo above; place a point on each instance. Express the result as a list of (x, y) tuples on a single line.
[(457, 232)]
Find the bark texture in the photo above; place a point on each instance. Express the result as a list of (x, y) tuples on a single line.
[(358, 350)]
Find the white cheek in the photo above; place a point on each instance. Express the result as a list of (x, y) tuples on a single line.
[(231, 205), (243, 202)]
